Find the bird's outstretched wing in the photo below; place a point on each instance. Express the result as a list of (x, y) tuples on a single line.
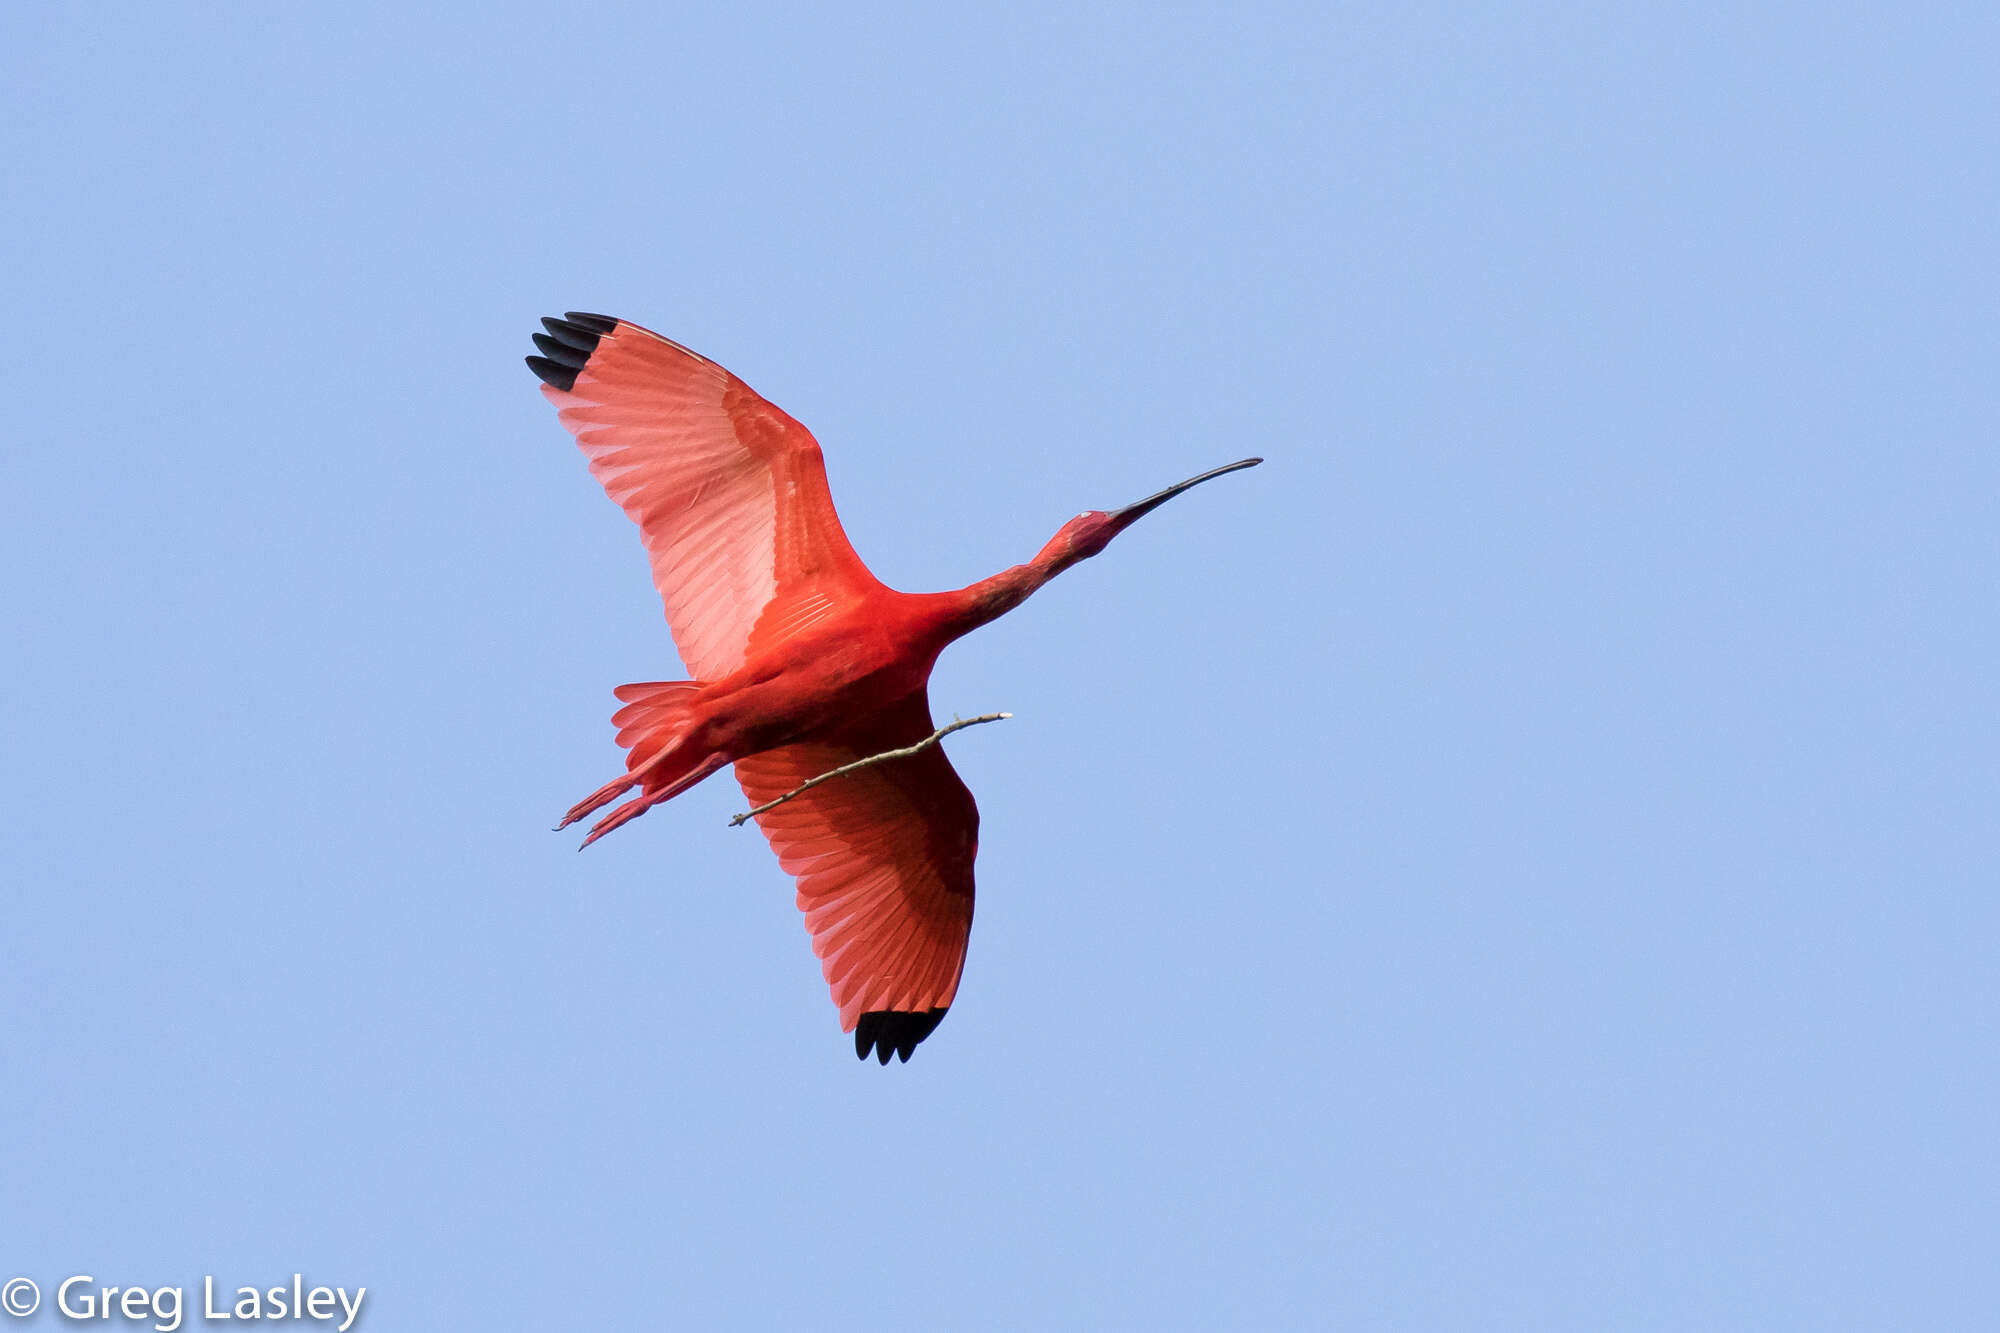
[(884, 859), (729, 493)]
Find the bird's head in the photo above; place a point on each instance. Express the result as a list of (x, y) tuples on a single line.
[(1091, 531)]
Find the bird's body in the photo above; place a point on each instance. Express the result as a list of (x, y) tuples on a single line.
[(803, 662)]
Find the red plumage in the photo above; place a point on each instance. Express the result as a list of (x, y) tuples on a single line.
[(803, 661)]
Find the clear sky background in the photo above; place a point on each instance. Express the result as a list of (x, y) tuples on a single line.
[(1523, 858)]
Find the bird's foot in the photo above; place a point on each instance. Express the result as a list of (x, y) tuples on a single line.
[(598, 799)]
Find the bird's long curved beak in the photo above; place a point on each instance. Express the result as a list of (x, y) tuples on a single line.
[(1125, 516)]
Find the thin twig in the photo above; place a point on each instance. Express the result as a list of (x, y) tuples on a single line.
[(957, 724)]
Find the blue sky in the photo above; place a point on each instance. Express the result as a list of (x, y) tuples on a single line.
[(1522, 858)]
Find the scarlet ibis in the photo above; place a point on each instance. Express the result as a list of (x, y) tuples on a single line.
[(802, 662)]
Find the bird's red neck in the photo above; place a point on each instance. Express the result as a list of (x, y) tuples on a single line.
[(963, 610), (959, 612)]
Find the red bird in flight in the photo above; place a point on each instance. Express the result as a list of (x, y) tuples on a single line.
[(802, 662)]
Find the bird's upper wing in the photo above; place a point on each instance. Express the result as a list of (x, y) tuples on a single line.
[(729, 493), (884, 859)]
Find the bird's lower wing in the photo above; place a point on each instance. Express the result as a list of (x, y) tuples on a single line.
[(883, 858)]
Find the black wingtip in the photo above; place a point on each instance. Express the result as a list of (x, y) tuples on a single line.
[(561, 352), (887, 1032), (563, 377), (567, 346)]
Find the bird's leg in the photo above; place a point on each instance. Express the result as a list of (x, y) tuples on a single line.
[(610, 791), (646, 800)]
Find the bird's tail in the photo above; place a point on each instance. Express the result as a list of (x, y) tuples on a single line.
[(652, 726)]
